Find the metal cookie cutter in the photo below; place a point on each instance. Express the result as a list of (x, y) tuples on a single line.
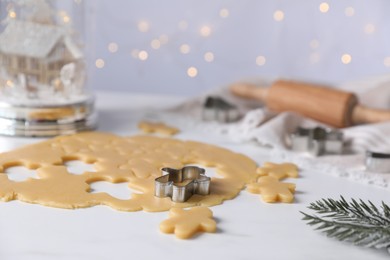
[(216, 108), (377, 162), (181, 184), (317, 141)]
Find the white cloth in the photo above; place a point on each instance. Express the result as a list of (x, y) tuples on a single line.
[(271, 130)]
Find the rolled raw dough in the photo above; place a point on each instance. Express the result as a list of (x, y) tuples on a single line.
[(136, 160)]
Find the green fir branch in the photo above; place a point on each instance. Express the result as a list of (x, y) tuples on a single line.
[(358, 222)]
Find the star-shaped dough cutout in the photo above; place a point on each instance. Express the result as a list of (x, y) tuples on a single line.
[(272, 190), (161, 128), (186, 223), (278, 171)]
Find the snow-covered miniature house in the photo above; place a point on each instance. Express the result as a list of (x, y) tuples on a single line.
[(38, 55)]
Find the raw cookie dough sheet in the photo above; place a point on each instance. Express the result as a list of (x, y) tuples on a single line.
[(136, 160)]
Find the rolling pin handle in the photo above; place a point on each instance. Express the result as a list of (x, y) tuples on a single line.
[(366, 115), (249, 91)]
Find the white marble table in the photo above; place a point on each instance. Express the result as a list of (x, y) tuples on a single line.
[(247, 227)]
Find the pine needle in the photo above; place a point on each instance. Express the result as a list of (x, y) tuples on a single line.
[(358, 222)]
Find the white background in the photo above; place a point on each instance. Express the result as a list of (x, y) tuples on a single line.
[(307, 44)]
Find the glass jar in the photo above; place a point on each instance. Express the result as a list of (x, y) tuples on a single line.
[(43, 68)]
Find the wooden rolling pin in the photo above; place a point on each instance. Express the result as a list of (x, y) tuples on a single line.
[(330, 106)]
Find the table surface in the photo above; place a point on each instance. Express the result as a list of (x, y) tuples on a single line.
[(247, 227)]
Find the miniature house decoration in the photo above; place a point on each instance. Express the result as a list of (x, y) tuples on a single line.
[(42, 71), (38, 57)]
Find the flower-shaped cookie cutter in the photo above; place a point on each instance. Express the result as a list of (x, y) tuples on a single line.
[(181, 184)]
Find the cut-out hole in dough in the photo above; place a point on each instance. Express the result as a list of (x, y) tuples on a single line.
[(116, 190), (210, 171), (78, 167), (20, 173)]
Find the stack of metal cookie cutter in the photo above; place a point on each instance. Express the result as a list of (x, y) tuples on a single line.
[(377, 162), (317, 141), (181, 184), (217, 109)]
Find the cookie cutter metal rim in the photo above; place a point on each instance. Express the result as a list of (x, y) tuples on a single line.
[(334, 143), (218, 109), (317, 141), (377, 162), (167, 185)]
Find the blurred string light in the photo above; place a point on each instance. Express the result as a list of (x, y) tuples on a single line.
[(224, 13), (143, 55), (314, 44), (386, 61), (278, 15), (185, 48), (369, 28), (260, 60), (192, 72), (324, 7), (10, 83), (346, 58), (12, 14), (99, 63), (349, 11), (64, 16), (155, 44), (205, 31), (112, 47), (209, 56), (143, 26), (66, 19)]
